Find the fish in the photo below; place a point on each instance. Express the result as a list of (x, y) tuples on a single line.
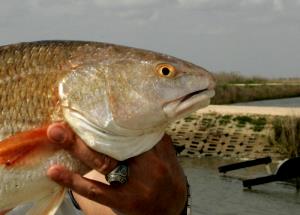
[(117, 99)]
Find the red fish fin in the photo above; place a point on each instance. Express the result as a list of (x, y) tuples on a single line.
[(15, 149)]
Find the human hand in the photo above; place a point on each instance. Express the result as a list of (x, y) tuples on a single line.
[(156, 183)]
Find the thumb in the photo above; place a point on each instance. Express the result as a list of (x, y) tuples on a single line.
[(60, 133)]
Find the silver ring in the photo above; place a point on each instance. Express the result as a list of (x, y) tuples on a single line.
[(118, 176)]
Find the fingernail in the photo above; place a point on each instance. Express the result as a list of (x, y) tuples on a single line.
[(57, 134)]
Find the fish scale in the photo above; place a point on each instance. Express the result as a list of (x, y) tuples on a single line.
[(28, 74)]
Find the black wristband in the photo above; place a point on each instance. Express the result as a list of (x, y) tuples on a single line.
[(187, 208), (75, 203)]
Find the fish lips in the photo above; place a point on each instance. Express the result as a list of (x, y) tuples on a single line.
[(189, 103)]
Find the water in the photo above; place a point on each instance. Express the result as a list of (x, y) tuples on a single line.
[(214, 194), (288, 102)]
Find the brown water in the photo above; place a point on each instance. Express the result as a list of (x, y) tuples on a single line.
[(215, 194)]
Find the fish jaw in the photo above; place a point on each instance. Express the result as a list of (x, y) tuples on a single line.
[(185, 105), (119, 147)]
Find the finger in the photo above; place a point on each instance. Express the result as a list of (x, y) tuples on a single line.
[(61, 134), (93, 190)]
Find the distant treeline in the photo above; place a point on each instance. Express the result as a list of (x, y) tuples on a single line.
[(233, 87), (236, 78)]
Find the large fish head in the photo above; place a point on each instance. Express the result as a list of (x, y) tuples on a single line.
[(131, 92), (135, 89), (146, 90)]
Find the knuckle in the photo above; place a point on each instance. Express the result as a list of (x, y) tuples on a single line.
[(66, 178), (99, 162), (93, 192), (105, 164)]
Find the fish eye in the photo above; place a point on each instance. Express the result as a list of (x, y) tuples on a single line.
[(166, 70)]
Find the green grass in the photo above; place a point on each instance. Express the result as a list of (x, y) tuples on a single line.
[(224, 120), (258, 124), (286, 136), (208, 122), (190, 118)]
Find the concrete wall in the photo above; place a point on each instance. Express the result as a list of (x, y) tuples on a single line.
[(228, 131)]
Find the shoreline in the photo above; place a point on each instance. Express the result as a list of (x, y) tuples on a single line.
[(231, 109)]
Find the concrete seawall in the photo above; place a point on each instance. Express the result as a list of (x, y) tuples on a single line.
[(229, 131)]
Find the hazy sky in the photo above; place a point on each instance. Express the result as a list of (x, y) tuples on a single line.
[(255, 37)]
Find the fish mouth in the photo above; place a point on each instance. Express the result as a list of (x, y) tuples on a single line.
[(188, 103), (188, 96)]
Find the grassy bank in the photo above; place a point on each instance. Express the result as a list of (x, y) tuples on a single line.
[(228, 94), (286, 135), (233, 88)]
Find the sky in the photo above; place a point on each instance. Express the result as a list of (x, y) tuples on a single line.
[(253, 37)]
